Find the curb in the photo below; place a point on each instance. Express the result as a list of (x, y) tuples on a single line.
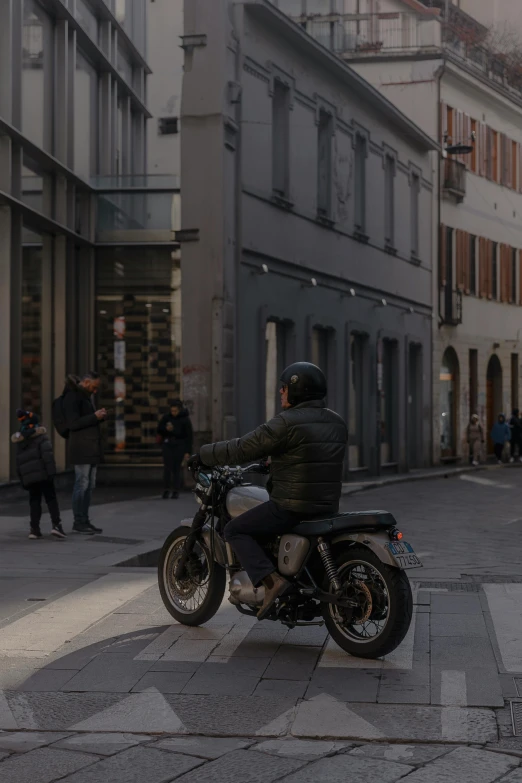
[(408, 478)]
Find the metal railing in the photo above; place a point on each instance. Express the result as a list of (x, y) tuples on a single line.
[(450, 306), (373, 33), (455, 177)]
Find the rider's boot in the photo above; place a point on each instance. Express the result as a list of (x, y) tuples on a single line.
[(275, 587)]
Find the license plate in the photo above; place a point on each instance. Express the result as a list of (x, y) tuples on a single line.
[(404, 554)]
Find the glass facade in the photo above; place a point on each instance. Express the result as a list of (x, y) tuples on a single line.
[(71, 296), (138, 345)]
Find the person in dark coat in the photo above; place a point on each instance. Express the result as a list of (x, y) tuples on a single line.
[(306, 443), (515, 424), (85, 444), (36, 469), (500, 435), (175, 436)]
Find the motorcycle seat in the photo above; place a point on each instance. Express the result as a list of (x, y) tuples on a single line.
[(348, 521)]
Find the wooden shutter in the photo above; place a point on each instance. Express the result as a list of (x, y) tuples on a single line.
[(443, 121), (485, 268), (482, 268), (466, 250), (520, 168), (442, 256), (458, 260), (514, 163), (474, 157), (484, 138), (504, 273), (520, 276)]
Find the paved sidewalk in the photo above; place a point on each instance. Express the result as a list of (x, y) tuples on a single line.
[(98, 683)]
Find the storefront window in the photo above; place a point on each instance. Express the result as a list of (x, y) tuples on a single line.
[(449, 373), (138, 314), (355, 402), (388, 398), (37, 75), (85, 118), (276, 360), (32, 325)]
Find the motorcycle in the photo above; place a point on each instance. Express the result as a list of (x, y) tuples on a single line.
[(346, 569)]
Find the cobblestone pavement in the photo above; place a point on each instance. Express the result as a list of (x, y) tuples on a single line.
[(98, 683)]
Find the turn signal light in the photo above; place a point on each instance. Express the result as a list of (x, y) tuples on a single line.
[(396, 535)]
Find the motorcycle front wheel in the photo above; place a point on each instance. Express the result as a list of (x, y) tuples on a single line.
[(382, 617), (196, 598)]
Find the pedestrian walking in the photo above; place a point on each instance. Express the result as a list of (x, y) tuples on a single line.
[(515, 424), (475, 438), (83, 429), (175, 436), (36, 469), (500, 435)]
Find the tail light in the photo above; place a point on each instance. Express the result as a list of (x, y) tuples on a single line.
[(395, 535)]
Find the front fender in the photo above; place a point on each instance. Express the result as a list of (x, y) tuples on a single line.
[(374, 541)]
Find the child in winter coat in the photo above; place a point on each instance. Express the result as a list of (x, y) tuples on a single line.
[(36, 468), (500, 435)]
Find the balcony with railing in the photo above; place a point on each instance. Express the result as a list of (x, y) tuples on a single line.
[(137, 209), (454, 182)]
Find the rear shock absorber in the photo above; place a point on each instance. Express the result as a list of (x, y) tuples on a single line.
[(329, 564)]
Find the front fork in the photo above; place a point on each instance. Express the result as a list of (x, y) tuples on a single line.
[(190, 541)]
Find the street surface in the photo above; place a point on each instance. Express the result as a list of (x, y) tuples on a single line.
[(97, 682)]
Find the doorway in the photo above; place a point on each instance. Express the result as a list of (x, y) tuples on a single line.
[(449, 393), (493, 395), (414, 411)]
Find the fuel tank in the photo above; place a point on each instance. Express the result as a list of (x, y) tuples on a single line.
[(241, 499)]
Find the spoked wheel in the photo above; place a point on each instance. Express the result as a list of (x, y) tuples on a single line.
[(195, 599), (381, 617)]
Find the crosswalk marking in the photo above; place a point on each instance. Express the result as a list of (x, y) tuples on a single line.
[(45, 630), (484, 481), (505, 606), (146, 712)]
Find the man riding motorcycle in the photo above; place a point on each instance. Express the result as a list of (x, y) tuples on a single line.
[(306, 443)]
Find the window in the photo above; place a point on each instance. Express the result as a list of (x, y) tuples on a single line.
[(324, 187), (473, 264), (450, 125), (474, 155), (276, 360), (514, 257), (514, 382), (473, 381), (514, 165), (31, 337), (280, 139), (493, 155), (87, 18), (86, 132), (356, 455), (389, 201), (320, 340), (124, 65), (138, 345), (485, 268), (360, 183), (168, 126), (388, 401), (414, 212), (494, 270), (37, 75)]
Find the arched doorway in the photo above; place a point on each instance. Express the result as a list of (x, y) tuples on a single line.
[(449, 393), (494, 404)]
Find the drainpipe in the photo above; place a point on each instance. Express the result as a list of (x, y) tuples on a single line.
[(435, 274)]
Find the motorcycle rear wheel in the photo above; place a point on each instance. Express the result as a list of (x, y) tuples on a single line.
[(196, 599), (382, 621)]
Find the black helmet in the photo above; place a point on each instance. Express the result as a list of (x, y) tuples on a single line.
[(305, 382)]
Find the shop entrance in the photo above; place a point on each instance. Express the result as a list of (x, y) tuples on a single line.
[(493, 395)]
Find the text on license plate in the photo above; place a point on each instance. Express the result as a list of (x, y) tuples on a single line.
[(404, 554)]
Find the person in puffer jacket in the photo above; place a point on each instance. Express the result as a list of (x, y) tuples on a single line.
[(36, 469)]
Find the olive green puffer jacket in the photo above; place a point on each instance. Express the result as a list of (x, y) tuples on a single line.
[(307, 445)]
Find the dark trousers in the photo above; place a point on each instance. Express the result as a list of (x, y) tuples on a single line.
[(499, 450), (45, 488), (516, 443), (247, 533), (173, 454)]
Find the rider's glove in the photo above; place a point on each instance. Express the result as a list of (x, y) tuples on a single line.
[(194, 463)]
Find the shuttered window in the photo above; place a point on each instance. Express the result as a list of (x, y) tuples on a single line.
[(486, 287)]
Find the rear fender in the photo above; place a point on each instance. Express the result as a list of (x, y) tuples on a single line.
[(376, 542)]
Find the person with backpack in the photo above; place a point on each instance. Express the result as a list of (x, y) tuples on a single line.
[(515, 424), (36, 469), (77, 419)]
